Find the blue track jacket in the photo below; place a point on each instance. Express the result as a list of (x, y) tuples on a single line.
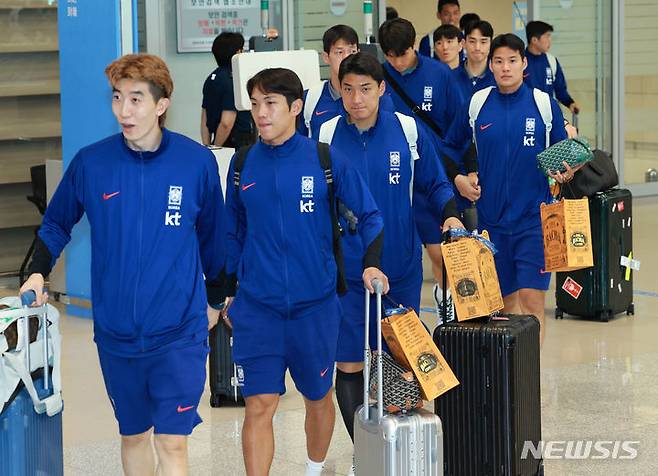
[(279, 227), (538, 75), (381, 155), (157, 227), (509, 134)]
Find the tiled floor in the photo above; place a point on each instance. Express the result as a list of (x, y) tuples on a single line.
[(599, 382)]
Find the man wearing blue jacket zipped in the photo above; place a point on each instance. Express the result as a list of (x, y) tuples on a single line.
[(393, 168), (155, 208), (474, 73), (286, 313), (423, 88), (544, 70), (508, 133)]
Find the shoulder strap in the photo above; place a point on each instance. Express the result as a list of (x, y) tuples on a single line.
[(328, 129), (410, 129), (543, 102), (238, 163), (312, 99), (415, 109), (477, 101), (325, 162), (552, 63), (410, 133)]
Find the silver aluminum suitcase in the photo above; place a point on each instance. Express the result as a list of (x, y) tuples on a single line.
[(408, 444)]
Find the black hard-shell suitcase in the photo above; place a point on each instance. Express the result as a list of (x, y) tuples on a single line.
[(495, 412), (606, 289), (226, 378)]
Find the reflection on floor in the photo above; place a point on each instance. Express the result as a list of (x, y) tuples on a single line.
[(599, 382)]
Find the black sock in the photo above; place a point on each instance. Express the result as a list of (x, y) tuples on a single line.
[(349, 394)]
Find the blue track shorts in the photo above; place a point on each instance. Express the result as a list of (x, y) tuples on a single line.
[(160, 391)]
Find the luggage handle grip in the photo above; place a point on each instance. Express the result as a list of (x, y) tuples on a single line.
[(27, 299), (379, 289)]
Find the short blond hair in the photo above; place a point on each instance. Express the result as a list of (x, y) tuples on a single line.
[(143, 67)]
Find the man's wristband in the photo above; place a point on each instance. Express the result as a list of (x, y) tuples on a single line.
[(217, 307)]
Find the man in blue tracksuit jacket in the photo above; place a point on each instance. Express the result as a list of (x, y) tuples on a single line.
[(509, 133), (155, 209), (338, 43), (474, 73), (430, 86), (286, 313), (544, 70), (393, 169)]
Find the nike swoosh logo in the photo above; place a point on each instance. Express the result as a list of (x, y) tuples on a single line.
[(319, 113), (245, 187), (324, 372), (486, 126), (184, 409), (107, 196)]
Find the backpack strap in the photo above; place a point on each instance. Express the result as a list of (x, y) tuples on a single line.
[(543, 102), (238, 164), (328, 129), (410, 129), (477, 101), (325, 162), (311, 102)]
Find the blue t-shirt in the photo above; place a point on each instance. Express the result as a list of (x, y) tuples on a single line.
[(217, 97)]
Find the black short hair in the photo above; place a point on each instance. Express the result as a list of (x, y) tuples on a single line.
[(339, 32), (484, 26), (467, 18), (443, 3), (391, 13), (397, 36), (509, 40), (361, 63), (535, 29), (226, 45), (446, 31), (277, 81)]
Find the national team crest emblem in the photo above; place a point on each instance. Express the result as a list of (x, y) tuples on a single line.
[(175, 195), (307, 185), (394, 158), (427, 93)]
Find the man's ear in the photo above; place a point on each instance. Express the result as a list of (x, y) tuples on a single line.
[(525, 63), (382, 88), (325, 57), (162, 106), (296, 106)]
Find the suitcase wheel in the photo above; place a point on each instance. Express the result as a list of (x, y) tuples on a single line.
[(605, 316), (631, 310), (216, 401), (559, 313)]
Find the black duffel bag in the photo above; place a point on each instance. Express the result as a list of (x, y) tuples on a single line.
[(597, 175)]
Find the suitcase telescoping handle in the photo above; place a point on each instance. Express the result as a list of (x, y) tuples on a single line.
[(379, 289), (27, 298)]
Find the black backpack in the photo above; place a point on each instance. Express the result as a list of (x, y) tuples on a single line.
[(325, 163)]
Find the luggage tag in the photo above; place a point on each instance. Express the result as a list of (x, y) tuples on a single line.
[(630, 264)]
